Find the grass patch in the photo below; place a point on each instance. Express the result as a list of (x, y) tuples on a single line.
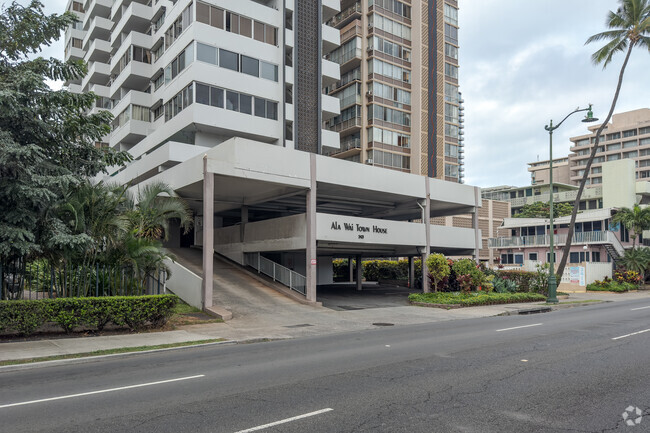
[(109, 352), (474, 298), (183, 308)]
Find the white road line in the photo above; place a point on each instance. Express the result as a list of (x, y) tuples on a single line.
[(640, 308), (284, 421), (140, 385), (519, 327), (629, 335)]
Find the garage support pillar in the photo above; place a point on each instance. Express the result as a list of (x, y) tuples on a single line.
[(310, 274), (411, 272), (359, 273), (427, 225), (477, 232), (351, 268), (208, 235)]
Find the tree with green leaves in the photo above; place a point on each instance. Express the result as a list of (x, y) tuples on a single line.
[(636, 220), (542, 209), (47, 143), (152, 208), (629, 27), (637, 260), (438, 268)]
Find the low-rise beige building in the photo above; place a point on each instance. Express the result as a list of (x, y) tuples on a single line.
[(540, 171)]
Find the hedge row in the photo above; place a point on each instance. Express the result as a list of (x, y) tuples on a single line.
[(611, 286), (25, 317), (474, 298), (375, 270)]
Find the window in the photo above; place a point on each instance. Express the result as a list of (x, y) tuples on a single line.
[(451, 34), (232, 101), (179, 63), (389, 48), (451, 170), (246, 27), (269, 71), (390, 93), (451, 93), (451, 51), (389, 70), (378, 112), (628, 144), (613, 136), (229, 60), (181, 23), (202, 94), (158, 81), (394, 6), (614, 157), (392, 138), (532, 256), (451, 15), (451, 70), (182, 100), (235, 101), (206, 53), (451, 113), (614, 146), (77, 7), (250, 66), (629, 133), (548, 257), (643, 131), (451, 130), (631, 154), (260, 107), (389, 26), (595, 256), (391, 160), (451, 150)]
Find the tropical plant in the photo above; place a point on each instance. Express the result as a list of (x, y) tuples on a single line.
[(629, 27), (47, 143), (541, 209), (438, 268), (468, 267), (637, 260), (151, 211), (636, 220)]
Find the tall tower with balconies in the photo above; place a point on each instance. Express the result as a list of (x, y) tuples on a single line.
[(182, 76), (398, 92)]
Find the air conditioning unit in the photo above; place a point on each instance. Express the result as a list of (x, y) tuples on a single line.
[(369, 93), (369, 161), (369, 49)]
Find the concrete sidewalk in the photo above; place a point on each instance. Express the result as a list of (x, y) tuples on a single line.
[(303, 322)]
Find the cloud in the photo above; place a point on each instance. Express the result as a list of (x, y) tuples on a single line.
[(524, 63)]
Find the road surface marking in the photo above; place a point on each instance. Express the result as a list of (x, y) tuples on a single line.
[(284, 421), (121, 388), (629, 335), (519, 327), (640, 308)]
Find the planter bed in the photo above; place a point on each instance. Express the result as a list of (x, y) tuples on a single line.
[(450, 300)]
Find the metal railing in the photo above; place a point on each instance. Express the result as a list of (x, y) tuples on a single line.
[(544, 240), (279, 273), (343, 15), (39, 279)]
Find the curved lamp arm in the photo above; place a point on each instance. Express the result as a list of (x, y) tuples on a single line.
[(551, 127)]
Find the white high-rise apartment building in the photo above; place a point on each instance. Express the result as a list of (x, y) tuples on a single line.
[(183, 76)]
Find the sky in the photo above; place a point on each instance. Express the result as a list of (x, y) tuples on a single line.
[(523, 63)]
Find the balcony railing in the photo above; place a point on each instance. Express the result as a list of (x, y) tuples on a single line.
[(343, 15), (600, 237), (350, 123)]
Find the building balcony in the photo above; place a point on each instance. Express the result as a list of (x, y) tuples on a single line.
[(330, 106), (98, 51), (346, 16), (351, 30), (330, 139), (331, 72), (136, 18), (100, 8), (100, 90), (135, 75), (331, 38), (289, 38), (344, 147), (347, 126), (130, 133), (330, 9), (98, 73), (583, 238), (289, 75), (98, 28), (132, 97), (74, 54)]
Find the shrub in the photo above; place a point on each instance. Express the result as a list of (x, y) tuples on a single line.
[(523, 279), (438, 269), (468, 267), (504, 285), (474, 298), (25, 317), (623, 276), (608, 285)]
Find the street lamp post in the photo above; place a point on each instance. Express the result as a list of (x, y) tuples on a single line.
[(552, 280)]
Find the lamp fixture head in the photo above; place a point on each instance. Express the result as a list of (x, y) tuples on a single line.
[(590, 116)]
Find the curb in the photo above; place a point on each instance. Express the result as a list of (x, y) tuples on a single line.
[(87, 359)]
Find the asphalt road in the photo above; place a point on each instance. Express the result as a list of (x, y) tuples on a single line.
[(570, 370)]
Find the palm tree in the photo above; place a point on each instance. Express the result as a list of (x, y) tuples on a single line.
[(629, 27), (150, 211), (637, 260), (636, 219)]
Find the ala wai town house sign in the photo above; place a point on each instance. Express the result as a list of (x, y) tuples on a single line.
[(360, 229)]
